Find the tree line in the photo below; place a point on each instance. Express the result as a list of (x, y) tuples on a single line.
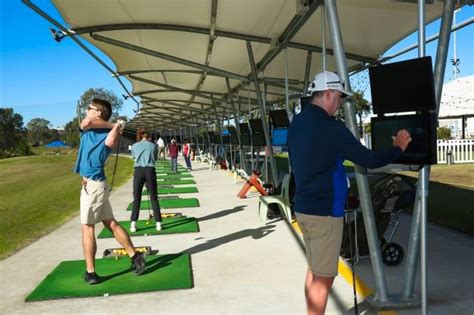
[(16, 139)]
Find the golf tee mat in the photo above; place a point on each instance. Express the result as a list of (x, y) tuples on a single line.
[(175, 182), (174, 176), (168, 204), (164, 272), (174, 190), (147, 227)]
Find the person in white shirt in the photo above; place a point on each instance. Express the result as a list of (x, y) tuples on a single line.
[(161, 148)]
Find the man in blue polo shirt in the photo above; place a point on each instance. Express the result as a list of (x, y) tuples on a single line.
[(318, 145), (98, 137)]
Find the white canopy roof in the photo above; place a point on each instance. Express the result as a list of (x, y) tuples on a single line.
[(178, 53), (458, 98)]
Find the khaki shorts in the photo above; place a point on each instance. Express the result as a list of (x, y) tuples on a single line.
[(323, 237), (95, 205)]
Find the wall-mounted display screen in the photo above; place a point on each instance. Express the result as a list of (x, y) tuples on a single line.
[(422, 128), (404, 86), (244, 128), (256, 125), (280, 137), (258, 140), (279, 118)]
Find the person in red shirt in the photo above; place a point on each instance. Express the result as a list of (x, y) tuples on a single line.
[(186, 154), (173, 154)]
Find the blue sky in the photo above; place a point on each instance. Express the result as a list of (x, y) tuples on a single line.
[(41, 78)]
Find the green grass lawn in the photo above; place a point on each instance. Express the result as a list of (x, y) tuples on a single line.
[(39, 193), (451, 196), (42, 150)]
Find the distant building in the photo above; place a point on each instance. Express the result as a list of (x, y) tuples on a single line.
[(457, 107)]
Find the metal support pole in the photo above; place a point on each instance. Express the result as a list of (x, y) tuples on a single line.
[(306, 72), (419, 213), (262, 116), (287, 100), (252, 160), (423, 184), (442, 49), (362, 183), (265, 159), (219, 125), (236, 121), (323, 37)]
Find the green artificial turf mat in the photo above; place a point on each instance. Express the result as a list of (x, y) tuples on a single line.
[(174, 176), (164, 272), (160, 174), (175, 182), (165, 170), (168, 204), (169, 226), (174, 190)]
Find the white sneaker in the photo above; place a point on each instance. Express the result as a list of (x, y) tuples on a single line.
[(158, 226), (133, 227)]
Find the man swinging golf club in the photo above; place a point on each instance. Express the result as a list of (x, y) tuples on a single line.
[(98, 137)]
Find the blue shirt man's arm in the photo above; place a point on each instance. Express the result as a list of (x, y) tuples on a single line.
[(351, 149), (89, 123)]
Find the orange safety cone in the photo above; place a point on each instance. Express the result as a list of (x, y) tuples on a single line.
[(252, 181)]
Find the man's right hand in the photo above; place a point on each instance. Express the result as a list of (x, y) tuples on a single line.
[(402, 139), (121, 123)]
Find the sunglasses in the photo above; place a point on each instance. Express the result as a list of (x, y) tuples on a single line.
[(90, 107)]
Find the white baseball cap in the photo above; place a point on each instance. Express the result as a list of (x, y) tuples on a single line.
[(327, 81)]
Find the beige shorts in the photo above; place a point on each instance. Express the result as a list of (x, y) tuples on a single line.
[(323, 237), (95, 205)]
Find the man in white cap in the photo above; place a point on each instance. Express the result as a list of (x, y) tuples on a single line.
[(318, 145)]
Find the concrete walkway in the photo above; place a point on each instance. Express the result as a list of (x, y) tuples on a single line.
[(239, 266)]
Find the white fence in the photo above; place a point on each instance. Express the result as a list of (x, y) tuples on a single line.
[(454, 151), (462, 151)]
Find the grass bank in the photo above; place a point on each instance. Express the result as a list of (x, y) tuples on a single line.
[(39, 193), (451, 196)]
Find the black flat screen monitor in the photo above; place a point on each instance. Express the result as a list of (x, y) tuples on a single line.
[(226, 139), (233, 135), (212, 137), (280, 137), (279, 118), (258, 140), (245, 139), (234, 140), (244, 128), (256, 125), (403, 86), (231, 130), (422, 127)]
